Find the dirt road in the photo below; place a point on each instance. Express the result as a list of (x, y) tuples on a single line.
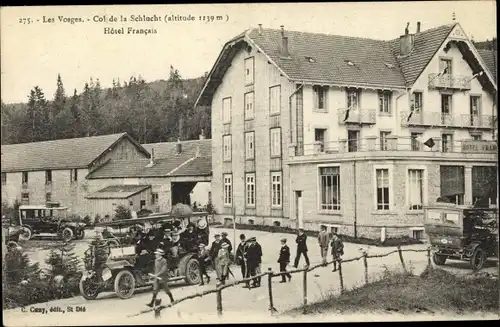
[(239, 304)]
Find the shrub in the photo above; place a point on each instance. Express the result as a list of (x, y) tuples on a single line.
[(96, 254), (75, 218), (64, 263), (144, 212), (122, 213)]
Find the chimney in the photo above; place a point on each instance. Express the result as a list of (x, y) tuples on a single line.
[(178, 147), (202, 135), (284, 44), (418, 27), (406, 42), (260, 29), (151, 158)]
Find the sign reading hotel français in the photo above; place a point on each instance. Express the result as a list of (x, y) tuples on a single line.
[(479, 147)]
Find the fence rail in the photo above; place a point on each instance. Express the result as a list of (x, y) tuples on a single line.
[(270, 274)]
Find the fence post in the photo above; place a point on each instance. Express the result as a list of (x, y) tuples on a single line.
[(400, 252), (429, 258), (365, 261), (270, 288), (341, 278), (304, 285), (219, 302)]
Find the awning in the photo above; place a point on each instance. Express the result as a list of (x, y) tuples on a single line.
[(118, 192)]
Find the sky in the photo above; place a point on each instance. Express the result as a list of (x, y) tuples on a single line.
[(35, 53)]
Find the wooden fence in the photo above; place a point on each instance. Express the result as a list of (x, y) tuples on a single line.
[(270, 274)]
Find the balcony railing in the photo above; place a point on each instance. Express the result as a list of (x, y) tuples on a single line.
[(395, 143), (357, 116), (446, 120), (457, 82)]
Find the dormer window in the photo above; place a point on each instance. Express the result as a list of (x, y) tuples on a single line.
[(349, 63), (388, 65), (310, 59)]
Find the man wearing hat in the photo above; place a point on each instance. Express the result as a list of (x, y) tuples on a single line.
[(254, 258), (337, 249), (222, 263), (240, 255), (227, 241), (301, 248), (323, 240), (161, 277), (203, 259), (189, 238), (284, 260), (214, 249), (202, 231)]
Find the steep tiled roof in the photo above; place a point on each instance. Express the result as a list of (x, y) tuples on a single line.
[(56, 154), (331, 54), (376, 62), (490, 59), (118, 191), (166, 162), (426, 45)]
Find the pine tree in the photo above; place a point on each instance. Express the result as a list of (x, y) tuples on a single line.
[(58, 117), (96, 255)]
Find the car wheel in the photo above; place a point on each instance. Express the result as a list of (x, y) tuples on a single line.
[(26, 233), (478, 259), (439, 259), (81, 235), (89, 288), (124, 284), (67, 234), (192, 272)]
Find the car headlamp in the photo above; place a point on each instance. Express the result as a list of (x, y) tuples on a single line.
[(106, 274)]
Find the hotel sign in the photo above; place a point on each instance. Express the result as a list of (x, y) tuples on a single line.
[(479, 147)]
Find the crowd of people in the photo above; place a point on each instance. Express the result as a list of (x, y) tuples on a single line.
[(248, 256)]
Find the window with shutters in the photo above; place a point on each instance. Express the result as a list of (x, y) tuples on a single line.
[(249, 71), (48, 197), (276, 189), (226, 151), (73, 175), (417, 102), (452, 183), (228, 189), (383, 140), (329, 188), (25, 198), (250, 190), (250, 145), (275, 140), (415, 189), (320, 97), (353, 97), (25, 177), (226, 110), (416, 141), (385, 99), (382, 185), (154, 198), (447, 142), (249, 107), (275, 99)]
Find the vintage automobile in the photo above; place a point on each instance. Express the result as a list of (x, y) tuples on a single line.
[(50, 218), (462, 233), (11, 234), (128, 266)]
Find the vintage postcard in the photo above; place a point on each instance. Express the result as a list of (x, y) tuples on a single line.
[(238, 163)]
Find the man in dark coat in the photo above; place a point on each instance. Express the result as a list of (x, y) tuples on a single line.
[(337, 250), (214, 249), (226, 240), (301, 248), (284, 260), (189, 239), (240, 256), (161, 278), (254, 258), (204, 260)]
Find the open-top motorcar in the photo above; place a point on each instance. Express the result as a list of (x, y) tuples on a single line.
[(11, 234), (129, 265), (462, 233), (50, 218)]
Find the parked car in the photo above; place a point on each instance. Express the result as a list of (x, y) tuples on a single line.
[(49, 219), (462, 233), (11, 234), (128, 265)]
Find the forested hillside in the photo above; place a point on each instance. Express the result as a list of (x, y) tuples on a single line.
[(158, 111)]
